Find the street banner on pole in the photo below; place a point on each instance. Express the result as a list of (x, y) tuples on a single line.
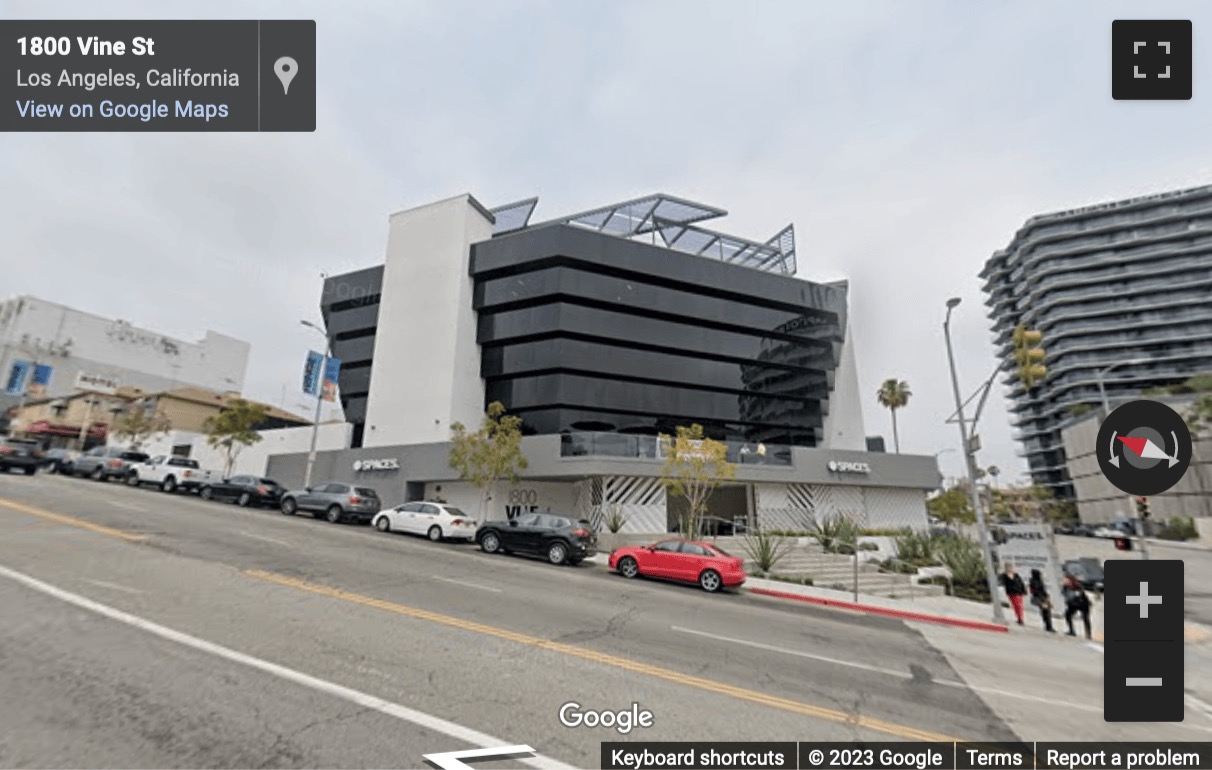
[(332, 374), (312, 372), (14, 385), (41, 380)]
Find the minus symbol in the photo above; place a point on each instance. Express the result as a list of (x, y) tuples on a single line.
[(1144, 681)]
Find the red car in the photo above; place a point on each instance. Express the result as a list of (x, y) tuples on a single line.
[(689, 561)]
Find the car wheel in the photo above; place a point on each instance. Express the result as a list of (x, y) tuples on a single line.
[(289, 506), (383, 524), (132, 480), (205, 493), (628, 567), (30, 471), (490, 543), (434, 533), (244, 499), (557, 553), (169, 485), (333, 514), (96, 475), (710, 581)]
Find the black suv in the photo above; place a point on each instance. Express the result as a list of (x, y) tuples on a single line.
[(561, 539), (20, 453)]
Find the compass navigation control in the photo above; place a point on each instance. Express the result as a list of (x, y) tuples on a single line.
[(1144, 447)]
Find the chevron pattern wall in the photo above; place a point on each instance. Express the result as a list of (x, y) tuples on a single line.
[(641, 501)]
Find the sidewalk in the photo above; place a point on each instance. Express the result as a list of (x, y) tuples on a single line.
[(941, 610)]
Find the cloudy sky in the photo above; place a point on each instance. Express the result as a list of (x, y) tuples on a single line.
[(906, 141)]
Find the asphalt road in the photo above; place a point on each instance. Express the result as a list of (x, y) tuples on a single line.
[(165, 631)]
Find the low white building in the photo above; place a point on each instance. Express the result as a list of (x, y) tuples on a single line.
[(253, 459), (72, 342)]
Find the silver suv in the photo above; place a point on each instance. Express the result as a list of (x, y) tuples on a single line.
[(334, 501), (105, 463)]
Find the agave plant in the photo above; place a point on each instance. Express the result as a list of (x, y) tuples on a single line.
[(766, 550)]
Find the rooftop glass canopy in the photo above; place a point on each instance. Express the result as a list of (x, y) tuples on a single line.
[(674, 222)]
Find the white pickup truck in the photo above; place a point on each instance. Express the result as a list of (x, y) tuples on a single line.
[(172, 473)]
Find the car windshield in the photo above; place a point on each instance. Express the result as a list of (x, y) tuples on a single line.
[(719, 550), (454, 511), (136, 456), (267, 482), (365, 492)]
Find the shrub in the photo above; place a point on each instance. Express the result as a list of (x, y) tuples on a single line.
[(885, 532), (837, 534), (766, 549), (897, 567), (917, 548), (1178, 528), (615, 520), (964, 558), (803, 580)]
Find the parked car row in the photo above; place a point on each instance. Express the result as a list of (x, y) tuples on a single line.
[(561, 540)]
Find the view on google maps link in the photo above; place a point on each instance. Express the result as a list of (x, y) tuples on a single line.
[(524, 384)]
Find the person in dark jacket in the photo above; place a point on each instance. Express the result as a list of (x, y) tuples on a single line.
[(1039, 597), (1015, 591), (1076, 601)]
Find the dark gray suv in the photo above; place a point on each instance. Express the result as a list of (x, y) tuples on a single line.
[(334, 501)]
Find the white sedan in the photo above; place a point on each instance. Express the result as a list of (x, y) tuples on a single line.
[(434, 520)]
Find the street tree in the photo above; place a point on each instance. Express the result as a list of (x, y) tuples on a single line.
[(234, 428), (694, 467), (490, 454), (894, 394), (138, 423), (953, 506)]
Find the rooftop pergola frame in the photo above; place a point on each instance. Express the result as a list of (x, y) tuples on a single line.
[(674, 221)]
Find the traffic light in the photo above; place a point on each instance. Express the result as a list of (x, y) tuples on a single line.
[(1029, 355), (1123, 544), (1142, 508)]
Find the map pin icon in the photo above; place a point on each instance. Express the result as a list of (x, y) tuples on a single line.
[(286, 68)]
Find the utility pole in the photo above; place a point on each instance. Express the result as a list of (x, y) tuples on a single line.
[(315, 425), (1102, 392), (970, 460)]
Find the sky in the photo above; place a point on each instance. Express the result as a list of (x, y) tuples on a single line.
[(906, 140)]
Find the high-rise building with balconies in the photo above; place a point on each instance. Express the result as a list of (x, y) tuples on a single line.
[(1122, 293)]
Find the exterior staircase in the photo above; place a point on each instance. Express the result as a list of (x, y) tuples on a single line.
[(807, 559)]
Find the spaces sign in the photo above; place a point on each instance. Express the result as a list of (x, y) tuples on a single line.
[(384, 464)]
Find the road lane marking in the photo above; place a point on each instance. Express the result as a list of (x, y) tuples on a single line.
[(115, 586), (709, 685), (266, 539), (889, 671), (906, 675), (465, 583), (72, 521), (366, 700)]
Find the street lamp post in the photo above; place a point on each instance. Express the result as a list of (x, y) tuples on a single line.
[(315, 425), (978, 509), (1102, 392)]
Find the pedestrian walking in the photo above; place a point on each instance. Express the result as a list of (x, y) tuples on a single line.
[(1076, 601), (1040, 598), (1015, 591)]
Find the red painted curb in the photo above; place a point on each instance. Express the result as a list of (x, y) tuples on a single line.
[(872, 609)]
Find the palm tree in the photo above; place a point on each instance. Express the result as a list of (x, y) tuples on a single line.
[(894, 394)]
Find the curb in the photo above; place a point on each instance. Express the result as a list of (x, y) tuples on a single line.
[(875, 609)]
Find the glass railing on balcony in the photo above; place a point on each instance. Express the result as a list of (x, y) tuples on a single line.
[(638, 447)]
